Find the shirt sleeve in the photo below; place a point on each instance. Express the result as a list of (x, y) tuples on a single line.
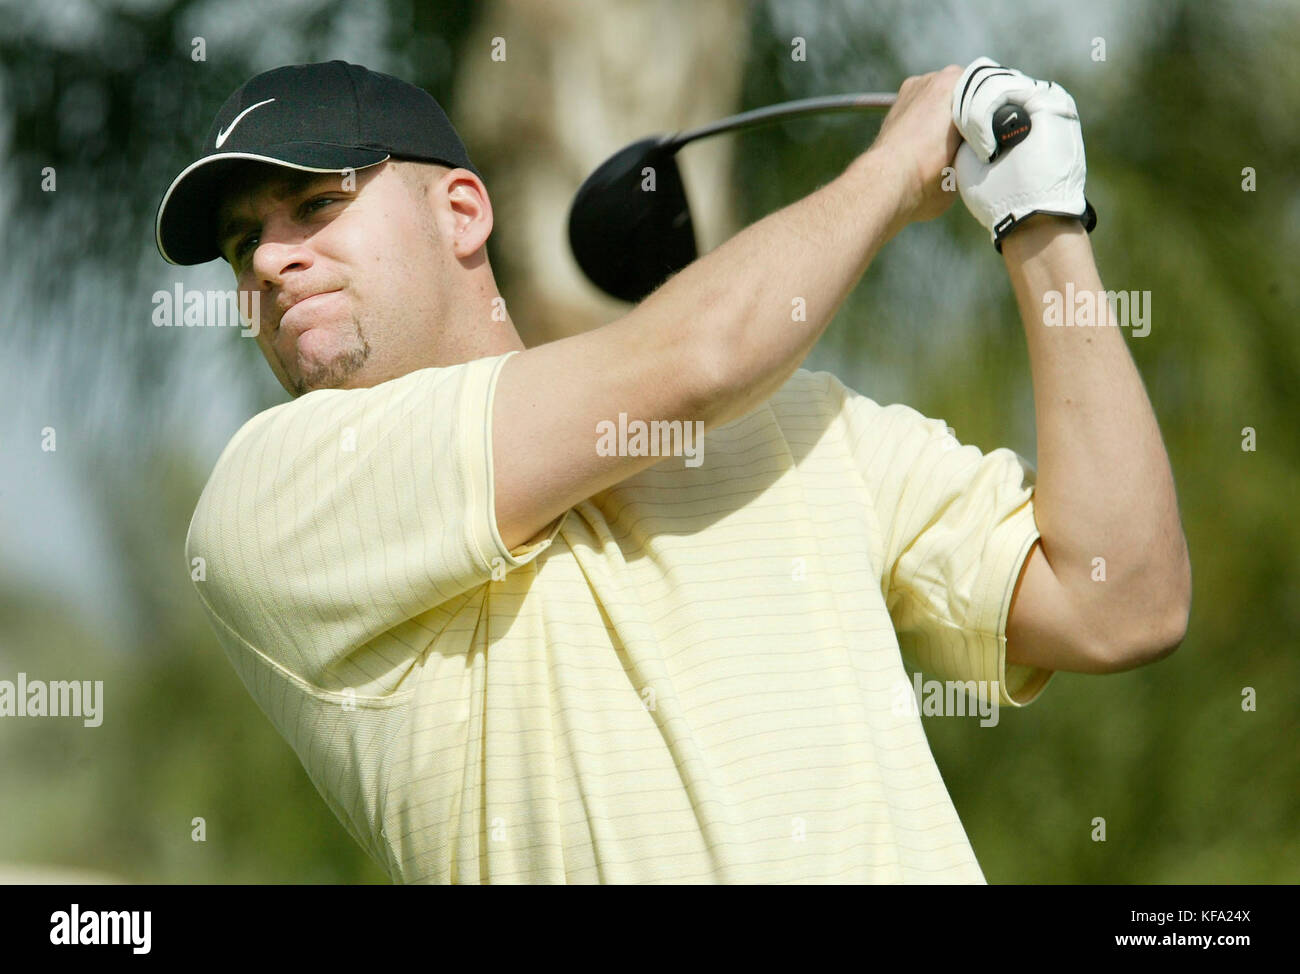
[(332, 524), (956, 525)]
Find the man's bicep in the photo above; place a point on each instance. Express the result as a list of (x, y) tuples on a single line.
[(550, 399), (1043, 627)]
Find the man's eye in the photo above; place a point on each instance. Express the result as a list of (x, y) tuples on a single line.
[(249, 243), (245, 246), (311, 206)]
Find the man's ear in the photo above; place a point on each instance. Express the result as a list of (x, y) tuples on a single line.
[(467, 216)]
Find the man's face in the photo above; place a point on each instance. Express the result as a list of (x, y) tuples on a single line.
[(347, 274)]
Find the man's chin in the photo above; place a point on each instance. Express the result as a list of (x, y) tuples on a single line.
[(341, 372)]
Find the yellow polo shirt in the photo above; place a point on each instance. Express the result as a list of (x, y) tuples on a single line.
[(690, 677)]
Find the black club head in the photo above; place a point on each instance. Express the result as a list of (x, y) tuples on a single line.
[(627, 237), (630, 226)]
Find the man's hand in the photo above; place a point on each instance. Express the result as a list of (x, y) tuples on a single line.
[(918, 140), (1044, 173)]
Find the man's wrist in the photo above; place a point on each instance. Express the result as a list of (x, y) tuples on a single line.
[(1037, 232)]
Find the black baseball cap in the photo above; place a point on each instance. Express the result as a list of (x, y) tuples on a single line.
[(328, 117)]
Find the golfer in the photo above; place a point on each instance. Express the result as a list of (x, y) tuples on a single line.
[(505, 654)]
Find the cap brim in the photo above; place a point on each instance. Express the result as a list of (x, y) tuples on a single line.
[(185, 228)]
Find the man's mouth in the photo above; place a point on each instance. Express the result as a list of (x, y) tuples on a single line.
[(300, 314)]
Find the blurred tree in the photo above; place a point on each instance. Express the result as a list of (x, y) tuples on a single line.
[(546, 92)]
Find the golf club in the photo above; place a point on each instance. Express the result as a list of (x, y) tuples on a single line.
[(630, 235)]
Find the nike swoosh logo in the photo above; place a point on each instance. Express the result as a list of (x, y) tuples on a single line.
[(225, 133)]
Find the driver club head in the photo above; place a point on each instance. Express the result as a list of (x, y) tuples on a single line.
[(630, 226), (630, 229)]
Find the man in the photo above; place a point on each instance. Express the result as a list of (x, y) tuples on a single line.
[(504, 655)]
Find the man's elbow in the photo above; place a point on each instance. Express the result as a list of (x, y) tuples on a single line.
[(1162, 632), (1164, 640)]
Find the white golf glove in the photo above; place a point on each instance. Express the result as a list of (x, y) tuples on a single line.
[(1042, 174)]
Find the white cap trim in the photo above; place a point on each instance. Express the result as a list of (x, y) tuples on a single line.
[(157, 227)]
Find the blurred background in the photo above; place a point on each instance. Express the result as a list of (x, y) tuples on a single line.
[(1184, 103)]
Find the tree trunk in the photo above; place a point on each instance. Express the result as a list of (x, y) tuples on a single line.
[(577, 82)]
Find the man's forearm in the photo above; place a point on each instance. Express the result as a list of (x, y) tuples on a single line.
[(757, 304), (1105, 488)]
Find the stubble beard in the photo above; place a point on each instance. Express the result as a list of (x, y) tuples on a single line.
[(338, 370)]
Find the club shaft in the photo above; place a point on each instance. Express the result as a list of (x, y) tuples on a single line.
[(782, 111)]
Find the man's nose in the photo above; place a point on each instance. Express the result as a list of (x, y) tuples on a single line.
[(279, 252)]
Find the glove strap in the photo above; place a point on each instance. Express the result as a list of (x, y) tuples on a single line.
[(1010, 221)]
